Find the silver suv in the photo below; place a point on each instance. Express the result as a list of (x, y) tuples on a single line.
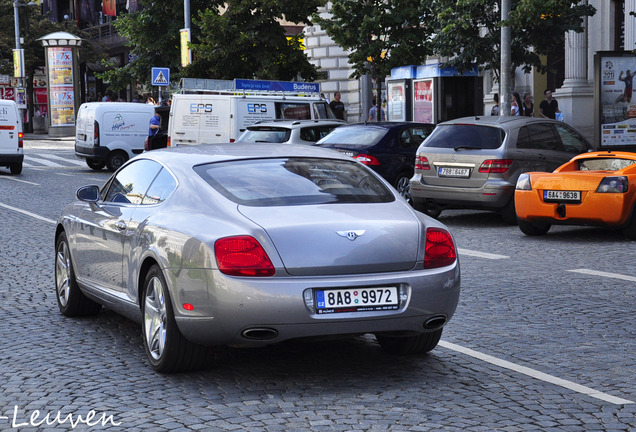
[(474, 162), (289, 131)]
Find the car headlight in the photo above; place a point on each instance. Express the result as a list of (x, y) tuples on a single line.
[(613, 185), (523, 183)]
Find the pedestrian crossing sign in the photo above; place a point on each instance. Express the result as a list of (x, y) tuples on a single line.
[(160, 76)]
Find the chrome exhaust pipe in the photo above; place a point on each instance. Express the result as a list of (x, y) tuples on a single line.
[(435, 322), (259, 333)]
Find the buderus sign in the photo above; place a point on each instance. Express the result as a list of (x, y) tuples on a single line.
[(285, 86)]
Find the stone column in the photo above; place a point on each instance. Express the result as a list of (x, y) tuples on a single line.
[(576, 96), (576, 59)]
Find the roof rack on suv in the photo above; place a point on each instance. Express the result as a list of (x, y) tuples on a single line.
[(244, 87)]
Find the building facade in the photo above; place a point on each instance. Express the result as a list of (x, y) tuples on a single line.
[(573, 79)]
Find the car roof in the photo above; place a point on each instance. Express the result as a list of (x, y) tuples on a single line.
[(189, 156), (290, 123), (390, 124), (504, 121)]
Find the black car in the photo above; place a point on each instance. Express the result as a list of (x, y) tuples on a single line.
[(386, 147)]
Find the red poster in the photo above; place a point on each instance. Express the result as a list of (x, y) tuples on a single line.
[(40, 95), (9, 93), (109, 7)]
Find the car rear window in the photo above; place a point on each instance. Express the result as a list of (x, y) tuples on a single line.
[(468, 136), (354, 136), (294, 181), (265, 134), (605, 164)]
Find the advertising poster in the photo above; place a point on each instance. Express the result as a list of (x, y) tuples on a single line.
[(60, 63), (617, 104), (397, 102), (109, 7), (423, 101)]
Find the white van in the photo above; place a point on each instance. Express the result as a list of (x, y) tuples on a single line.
[(216, 117), (110, 133), (11, 137)]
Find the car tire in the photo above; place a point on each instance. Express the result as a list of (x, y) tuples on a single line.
[(166, 348), (16, 168), (508, 213), (116, 159), (70, 299), (406, 345), (429, 210), (403, 186), (95, 164), (532, 229), (630, 230)]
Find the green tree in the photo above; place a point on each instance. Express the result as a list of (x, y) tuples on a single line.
[(34, 25), (469, 31), (380, 34), (230, 39), (246, 39)]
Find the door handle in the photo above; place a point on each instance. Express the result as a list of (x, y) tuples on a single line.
[(121, 225)]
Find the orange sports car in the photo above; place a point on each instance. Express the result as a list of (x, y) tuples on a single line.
[(596, 188)]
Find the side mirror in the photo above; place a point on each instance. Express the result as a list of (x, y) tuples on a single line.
[(88, 193)]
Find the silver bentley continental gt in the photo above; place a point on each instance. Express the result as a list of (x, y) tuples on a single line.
[(250, 245)]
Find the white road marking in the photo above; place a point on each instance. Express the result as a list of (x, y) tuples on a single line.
[(481, 254), (71, 160), (570, 385), (44, 162), (33, 215), (604, 274), (18, 180)]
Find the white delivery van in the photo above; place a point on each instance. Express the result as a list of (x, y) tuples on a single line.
[(110, 133), (222, 116), (11, 137)]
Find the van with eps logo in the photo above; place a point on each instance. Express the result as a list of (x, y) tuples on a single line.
[(107, 134), (11, 137)]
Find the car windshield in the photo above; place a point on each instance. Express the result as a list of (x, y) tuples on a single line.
[(354, 136), (265, 134), (605, 164), (465, 136), (294, 181)]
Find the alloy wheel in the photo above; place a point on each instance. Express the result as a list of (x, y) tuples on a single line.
[(63, 272), (155, 318)]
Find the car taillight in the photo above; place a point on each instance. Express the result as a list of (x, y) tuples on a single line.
[(523, 183), (169, 142), (20, 139), (421, 163), (613, 185), (367, 159), (495, 166), (242, 256), (440, 249), (96, 134)]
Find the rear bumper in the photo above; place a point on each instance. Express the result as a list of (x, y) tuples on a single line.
[(91, 152), (493, 195), (277, 307), (10, 159), (608, 209)]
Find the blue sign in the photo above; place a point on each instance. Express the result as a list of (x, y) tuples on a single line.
[(160, 76), (286, 86)]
